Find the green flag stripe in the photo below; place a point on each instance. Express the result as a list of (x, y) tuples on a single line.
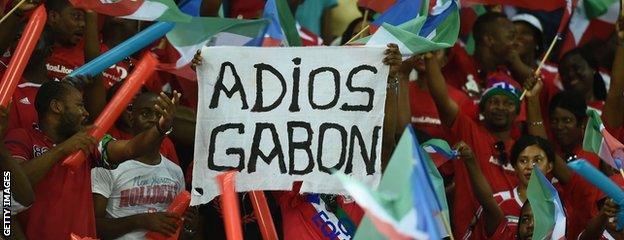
[(173, 14)]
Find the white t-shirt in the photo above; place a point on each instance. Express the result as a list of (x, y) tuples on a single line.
[(135, 187)]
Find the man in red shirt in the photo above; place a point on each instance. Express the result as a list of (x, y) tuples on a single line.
[(68, 26), (64, 202), (490, 139), (495, 53)]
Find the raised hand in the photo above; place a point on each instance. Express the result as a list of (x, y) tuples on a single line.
[(393, 59), (197, 60), (464, 151), (533, 86), (82, 140), (167, 108), (610, 208)]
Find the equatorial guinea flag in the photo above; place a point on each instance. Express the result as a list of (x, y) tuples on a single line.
[(145, 10)]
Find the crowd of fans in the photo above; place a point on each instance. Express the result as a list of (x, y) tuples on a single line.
[(504, 119)]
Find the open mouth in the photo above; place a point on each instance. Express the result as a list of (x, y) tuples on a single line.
[(527, 176)]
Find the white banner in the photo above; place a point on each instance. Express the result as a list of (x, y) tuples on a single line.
[(280, 115)]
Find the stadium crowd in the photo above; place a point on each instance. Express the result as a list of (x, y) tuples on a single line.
[(482, 95)]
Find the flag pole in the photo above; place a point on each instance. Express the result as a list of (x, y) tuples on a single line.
[(12, 10), (364, 20), (357, 35), (447, 226), (541, 65)]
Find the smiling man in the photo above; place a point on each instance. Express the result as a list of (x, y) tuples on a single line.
[(490, 139)]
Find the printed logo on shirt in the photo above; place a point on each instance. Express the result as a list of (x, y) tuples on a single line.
[(426, 120), (121, 73), (24, 101), (38, 151), (147, 191), (58, 68), (506, 167)]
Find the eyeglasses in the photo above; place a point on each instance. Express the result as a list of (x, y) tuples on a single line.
[(502, 155)]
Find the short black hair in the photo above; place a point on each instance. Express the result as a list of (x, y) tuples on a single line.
[(50, 90), (530, 140), (485, 23), (572, 101), (57, 5)]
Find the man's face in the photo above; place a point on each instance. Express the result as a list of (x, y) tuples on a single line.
[(499, 112), (566, 127), (576, 74), (68, 25), (73, 114), (502, 38), (525, 39), (525, 224), (144, 114)]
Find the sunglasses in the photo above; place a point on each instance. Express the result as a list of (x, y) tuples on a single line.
[(501, 154)]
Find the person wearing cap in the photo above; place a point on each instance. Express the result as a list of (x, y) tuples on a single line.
[(490, 139), (530, 49)]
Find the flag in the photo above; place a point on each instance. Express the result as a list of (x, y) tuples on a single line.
[(601, 142), (379, 6), (548, 216), (590, 21), (439, 151), (412, 208), (436, 180), (570, 5), (145, 10), (399, 13), (549, 5), (191, 7), (187, 38), (282, 29), (597, 8), (373, 205), (428, 32)]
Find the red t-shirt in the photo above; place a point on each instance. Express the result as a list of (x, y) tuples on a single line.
[(65, 59), (63, 201), (425, 115), (22, 113), (167, 148), (579, 196), (511, 205), (500, 178), (300, 218)]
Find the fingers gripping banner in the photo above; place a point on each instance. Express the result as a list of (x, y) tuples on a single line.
[(280, 115)]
